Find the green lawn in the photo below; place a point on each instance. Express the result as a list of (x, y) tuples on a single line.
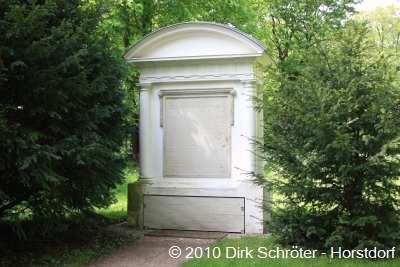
[(229, 256), (117, 212)]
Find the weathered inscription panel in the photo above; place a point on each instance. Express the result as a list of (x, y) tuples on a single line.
[(197, 134)]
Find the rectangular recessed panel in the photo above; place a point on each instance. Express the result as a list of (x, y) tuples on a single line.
[(194, 213), (197, 134)]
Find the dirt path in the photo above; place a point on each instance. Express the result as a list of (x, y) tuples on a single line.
[(150, 251), (147, 251)]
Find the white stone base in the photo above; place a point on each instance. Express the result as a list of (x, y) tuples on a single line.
[(253, 195)]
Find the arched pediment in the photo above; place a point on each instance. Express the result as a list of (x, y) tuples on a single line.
[(195, 40)]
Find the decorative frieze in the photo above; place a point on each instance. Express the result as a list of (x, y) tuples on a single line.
[(221, 70)]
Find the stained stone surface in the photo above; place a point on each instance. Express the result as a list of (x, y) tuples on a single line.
[(197, 136)]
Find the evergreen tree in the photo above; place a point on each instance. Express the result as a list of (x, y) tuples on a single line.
[(61, 112), (331, 141)]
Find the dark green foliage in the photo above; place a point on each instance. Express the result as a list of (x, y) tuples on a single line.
[(60, 112), (74, 247), (332, 135)]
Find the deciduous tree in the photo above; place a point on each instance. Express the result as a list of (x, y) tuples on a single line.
[(295, 26), (384, 23)]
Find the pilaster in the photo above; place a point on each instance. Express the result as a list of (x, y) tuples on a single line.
[(249, 130), (145, 134)]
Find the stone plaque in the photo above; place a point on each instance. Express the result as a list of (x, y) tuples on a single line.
[(197, 132)]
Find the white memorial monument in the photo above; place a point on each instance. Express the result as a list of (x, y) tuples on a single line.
[(196, 122)]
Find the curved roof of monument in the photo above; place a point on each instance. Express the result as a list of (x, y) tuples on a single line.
[(232, 28), (179, 41)]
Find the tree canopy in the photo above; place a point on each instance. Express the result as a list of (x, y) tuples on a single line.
[(296, 25), (61, 112), (384, 27)]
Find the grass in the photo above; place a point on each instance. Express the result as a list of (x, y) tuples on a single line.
[(254, 243), (117, 212)]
